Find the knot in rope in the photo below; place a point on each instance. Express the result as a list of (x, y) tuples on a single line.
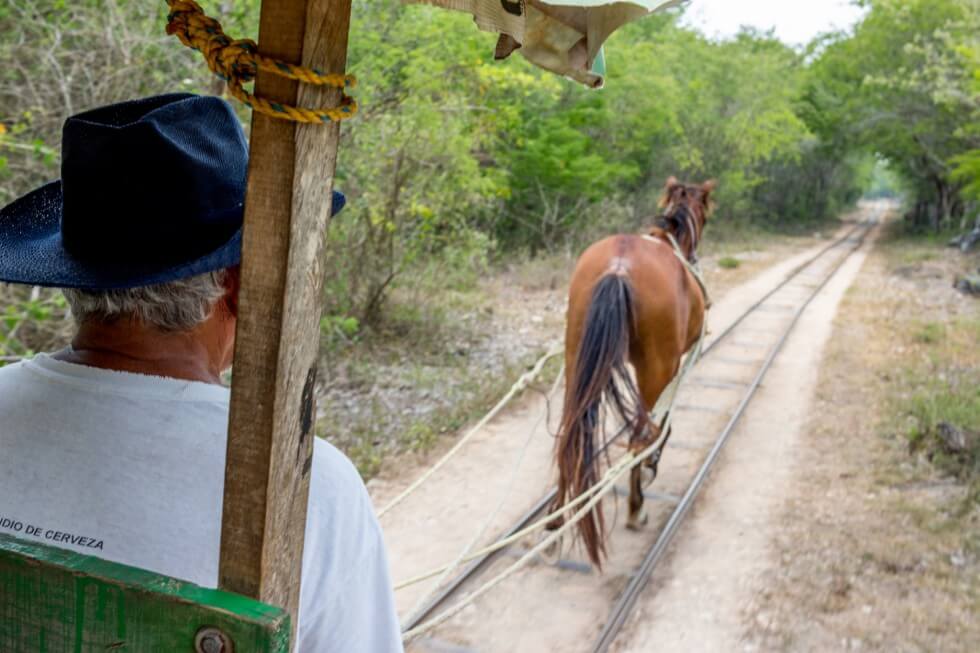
[(238, 61)]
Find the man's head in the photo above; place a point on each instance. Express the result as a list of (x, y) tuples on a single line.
[(145, 230), (151, 191), (203, 307)]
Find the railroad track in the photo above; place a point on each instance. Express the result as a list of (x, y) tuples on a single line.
[(773, 315)]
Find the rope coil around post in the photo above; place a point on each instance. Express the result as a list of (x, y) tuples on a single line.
[(238, 61)]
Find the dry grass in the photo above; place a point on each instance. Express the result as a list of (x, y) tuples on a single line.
[(879, 547), (432, 367)]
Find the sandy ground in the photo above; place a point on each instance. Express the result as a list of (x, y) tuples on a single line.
[(453, 508)]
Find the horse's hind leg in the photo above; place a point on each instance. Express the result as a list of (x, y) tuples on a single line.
[(654, 460), (641, 440), (652, 378), (637, 515)]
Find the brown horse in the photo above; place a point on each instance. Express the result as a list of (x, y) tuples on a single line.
[(631, 300)]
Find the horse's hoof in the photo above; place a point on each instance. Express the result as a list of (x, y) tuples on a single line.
[(637, 522), (552, 553)]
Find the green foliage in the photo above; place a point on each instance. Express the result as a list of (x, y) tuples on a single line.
[(456, 158), (339, 329), (966, 166), (30, 320), (675, 103), (410, 163), (938, 403), (930, 333), (729, 262), (904, 87), (966, 170)]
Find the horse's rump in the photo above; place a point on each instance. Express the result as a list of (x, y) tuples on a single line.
[(601, 374)]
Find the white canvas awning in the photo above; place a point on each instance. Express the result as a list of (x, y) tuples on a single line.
[(564, 36)]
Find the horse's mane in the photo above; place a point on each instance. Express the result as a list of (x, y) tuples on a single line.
[(670, 225), (665, 224)]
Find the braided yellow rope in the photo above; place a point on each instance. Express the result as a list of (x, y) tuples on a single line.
[(239, 60)]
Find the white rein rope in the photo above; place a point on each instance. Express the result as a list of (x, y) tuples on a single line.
[(591, 497)]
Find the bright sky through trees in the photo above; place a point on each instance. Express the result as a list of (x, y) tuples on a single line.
[(795, 21)]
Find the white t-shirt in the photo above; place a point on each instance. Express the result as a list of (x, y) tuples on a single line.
[(130, 468)]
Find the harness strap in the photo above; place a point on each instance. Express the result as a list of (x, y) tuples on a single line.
[(693, 268), (662, 410)]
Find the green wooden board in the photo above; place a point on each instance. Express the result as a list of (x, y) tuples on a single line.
[(57, 601)]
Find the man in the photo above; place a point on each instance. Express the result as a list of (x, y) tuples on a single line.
[(115, 446)]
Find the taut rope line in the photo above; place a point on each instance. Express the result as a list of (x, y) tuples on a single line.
[(238, 61), (521, 383), (662, 407), (465, 554), (595, 494), (590, 498)]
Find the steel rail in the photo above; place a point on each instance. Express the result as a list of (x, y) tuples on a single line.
[(627, 600), (782, 284), (475, 567)]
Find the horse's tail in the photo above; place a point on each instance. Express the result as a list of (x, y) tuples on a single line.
[(600, 373)]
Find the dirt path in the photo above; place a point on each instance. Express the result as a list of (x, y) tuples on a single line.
[(447, 513)]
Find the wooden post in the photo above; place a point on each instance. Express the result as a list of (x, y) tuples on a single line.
[(271, 429)]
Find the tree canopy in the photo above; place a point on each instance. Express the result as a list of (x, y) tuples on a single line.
[(456, 158), (906, 86)]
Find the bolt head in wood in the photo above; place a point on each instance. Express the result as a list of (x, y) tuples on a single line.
[(212, 640)]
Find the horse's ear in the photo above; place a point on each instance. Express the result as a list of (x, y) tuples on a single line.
[(707, 190), (669, 187)]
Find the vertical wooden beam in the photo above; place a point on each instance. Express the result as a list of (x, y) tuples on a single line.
[(271, 428)]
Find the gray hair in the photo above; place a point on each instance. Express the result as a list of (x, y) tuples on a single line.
[(175, 306)]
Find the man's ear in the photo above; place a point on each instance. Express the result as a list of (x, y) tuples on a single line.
[(232, 284)]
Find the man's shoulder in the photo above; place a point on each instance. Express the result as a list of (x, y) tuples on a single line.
[(334, 475), (13, 377), (339, 502), (11, 371), (344, 549)]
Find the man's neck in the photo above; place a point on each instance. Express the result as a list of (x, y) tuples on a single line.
[(126, 347)]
